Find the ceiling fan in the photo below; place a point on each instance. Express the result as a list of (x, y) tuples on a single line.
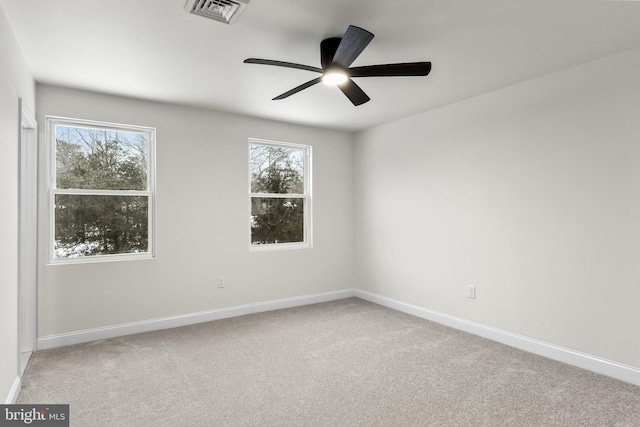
[(336, 55)]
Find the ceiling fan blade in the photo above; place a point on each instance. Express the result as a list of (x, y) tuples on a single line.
[(354, 93), (391, 70), (282, 64), (353, 42), (298, 88), (328, 49)]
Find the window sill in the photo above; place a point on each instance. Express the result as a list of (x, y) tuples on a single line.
[(100, 258), (279, 247)]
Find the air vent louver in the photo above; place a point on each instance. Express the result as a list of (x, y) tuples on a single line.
[(219, 10)]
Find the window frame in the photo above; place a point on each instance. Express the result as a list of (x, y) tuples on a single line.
[(50, 137), (307, 242)]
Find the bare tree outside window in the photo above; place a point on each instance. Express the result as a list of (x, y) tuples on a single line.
[(279, 194), (102, 194)]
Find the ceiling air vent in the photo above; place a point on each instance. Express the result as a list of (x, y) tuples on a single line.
[(220, 10)]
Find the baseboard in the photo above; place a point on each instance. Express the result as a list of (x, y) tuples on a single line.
[(609, 368), (14, 392), (87, 335), (612, 369)]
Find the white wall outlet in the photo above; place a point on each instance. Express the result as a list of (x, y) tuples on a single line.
[(222, 281), (471, 292)]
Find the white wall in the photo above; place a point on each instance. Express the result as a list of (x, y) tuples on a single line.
[(202, 220), (530, 193), (15, 83)]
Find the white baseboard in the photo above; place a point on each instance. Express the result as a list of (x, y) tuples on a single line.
[(14, 392), (87, 335), (609, 368), (612, 369)]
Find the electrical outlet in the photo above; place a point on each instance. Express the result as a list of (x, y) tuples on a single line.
[(471, 292), (221, 281)]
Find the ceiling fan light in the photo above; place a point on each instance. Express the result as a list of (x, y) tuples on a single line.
[(334, 77)]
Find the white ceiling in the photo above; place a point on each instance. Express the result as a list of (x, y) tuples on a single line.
[(153, 49)]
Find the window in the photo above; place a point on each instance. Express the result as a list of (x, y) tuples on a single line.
[(280, 195), (101, 191)]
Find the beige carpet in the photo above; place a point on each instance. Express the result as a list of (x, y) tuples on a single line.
[(343, 363)]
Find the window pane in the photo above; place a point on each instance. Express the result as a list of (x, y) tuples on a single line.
[(276, 220), (99, 159), (88, 225), (277, 170)]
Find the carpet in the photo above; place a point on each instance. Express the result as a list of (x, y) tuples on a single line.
[(345, 363)]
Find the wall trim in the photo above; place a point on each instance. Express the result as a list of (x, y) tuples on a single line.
[(14, 392), (589, 362), (599, 365), (87, 335)]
